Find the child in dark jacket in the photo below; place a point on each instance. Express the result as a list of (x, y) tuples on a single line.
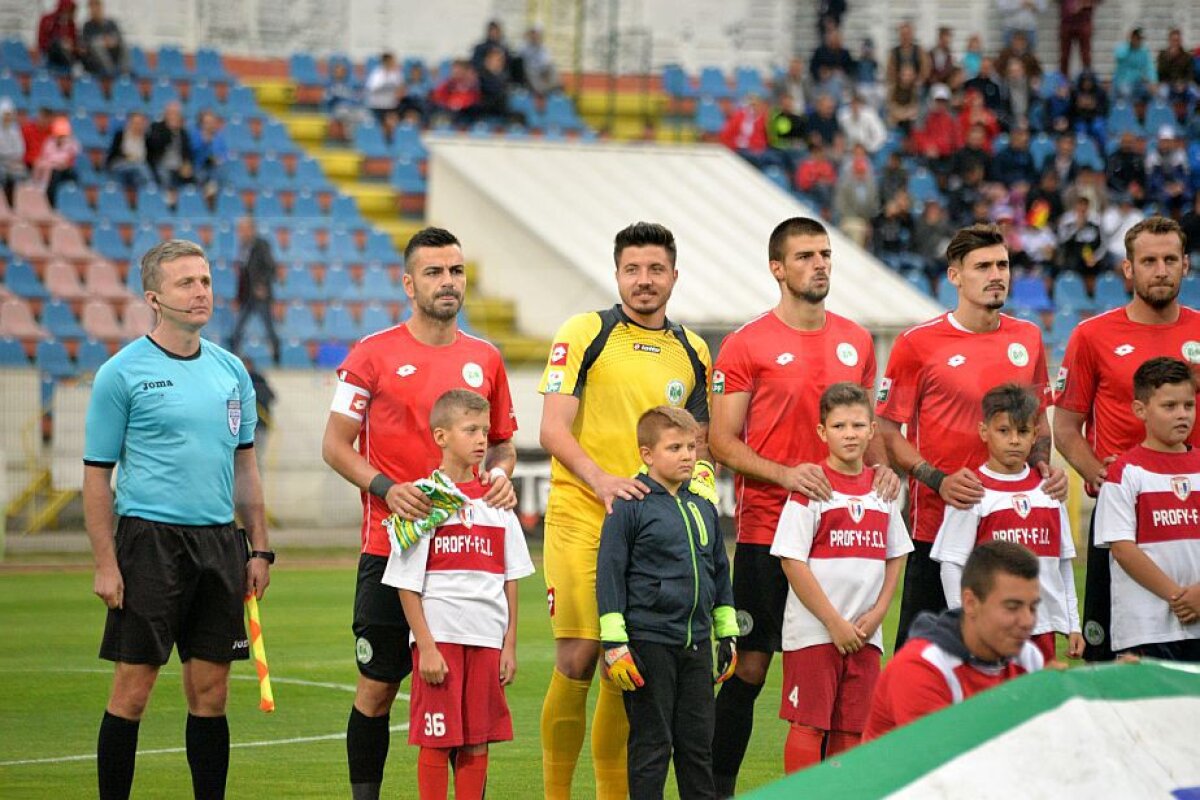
[(663, 589)]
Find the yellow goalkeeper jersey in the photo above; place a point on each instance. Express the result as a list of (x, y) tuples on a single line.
[(618, 370)]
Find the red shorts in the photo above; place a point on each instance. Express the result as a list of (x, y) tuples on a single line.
[(826, 690), (1046, 642), (466, 708)]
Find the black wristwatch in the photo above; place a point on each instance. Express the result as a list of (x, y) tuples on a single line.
[(266, 555)]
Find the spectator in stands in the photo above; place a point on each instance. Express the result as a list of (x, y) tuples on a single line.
[(894, 176), (792, 83), (973, 56), (58, 40), (458, 95), (1126, 167), (816, 176), (931, 233), (1014, 238), (975, 113), (210, 153), (1044, 203), (56, 163), (493, 40), (861, 124), (1075, 27), (892, 230), (256, 271), (264, 397), (745, 130), (823, 122), (974, 152), (1013, 166), (103, 47), (1116, 221), (12, 149), (1080, 241), (856, 200), (1133, 72), (987, 83), (128, 156), (1020, 17), (939, 136), (829, 15), (967, 192), (1041, 245), (787, 130), (907, 53), (1063, 161), (1174, 64), (1089, 182), (343, 102), (1191, 226), (537, 66), (1018, 49), (169, 151), (1089, 108), (942, 64), (1020, 95), (1167, 175), (866, 74), (385, 86), (831, 65), (36, 131), (493, 87)]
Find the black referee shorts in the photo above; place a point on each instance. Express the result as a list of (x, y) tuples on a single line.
[(760, 591), (380, 628), (184, 587)]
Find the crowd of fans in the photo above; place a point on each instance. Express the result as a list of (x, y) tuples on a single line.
[(899, 153)]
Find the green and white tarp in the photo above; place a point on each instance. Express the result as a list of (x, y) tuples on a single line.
[(1113, 731)]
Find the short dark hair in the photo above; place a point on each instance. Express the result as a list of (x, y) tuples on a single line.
[(165, 253), (454, 402), (652, 423), (1012, 399), (795, 226), (991, 558), (644, 234), (1161, 371), (1154, 225), (844, 394), (971, 238), (428, 237)]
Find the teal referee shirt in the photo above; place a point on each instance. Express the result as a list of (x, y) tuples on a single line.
[(170, 425)]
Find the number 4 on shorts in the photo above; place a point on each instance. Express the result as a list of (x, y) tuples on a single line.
[(435, 724), (793, 697)]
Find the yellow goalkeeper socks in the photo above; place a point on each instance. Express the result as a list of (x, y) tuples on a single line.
[(610, 740), (564, 719)]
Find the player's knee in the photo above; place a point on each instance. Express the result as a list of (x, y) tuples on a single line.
[(374, 698), (576, 658), (752, 667)]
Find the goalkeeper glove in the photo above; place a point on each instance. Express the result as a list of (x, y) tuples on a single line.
[(726, 658), (622, 669), (704, 481)]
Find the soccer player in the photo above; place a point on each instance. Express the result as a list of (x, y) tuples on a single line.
[(934, 384), (767, 386), (458, 589), (1014, 508), (176, 413), (605, 369), (1148, 517), (958, 654), (842, 558), (663, 590), (386, 388), (1093, 423)]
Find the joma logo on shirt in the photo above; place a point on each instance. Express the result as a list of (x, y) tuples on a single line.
[(148, 385)]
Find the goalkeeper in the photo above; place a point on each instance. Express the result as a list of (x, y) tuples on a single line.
[(662, 588)]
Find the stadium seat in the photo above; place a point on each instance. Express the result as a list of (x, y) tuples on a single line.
[(710, 119), (338, 324), (62, 281), (88, 96), (209, 65), (145, 238), (102, 280), (17, 320), (299, 322), (310, 176), (378, 285), (190, 205), (1087, 154), (51, 358), (241, 100), (299, 285), (345, 211), (224, 283), (267, 205), (170, 64), (272, 175), (406, 176), (139, 64), (1065, 320), (331, 354), (1070, 293), (67, 242), (275, 139), (368, 140), (201, 97), (675, 82), (91, 355), (1122, 119), (294, 355), (12, 354), (1029, 293), (138, 320), (60, 322), (381, 248), (45, 93), (302, 68), (30, 203), (151, 205), (1110, 291), (713, 84), (99, 319), (918, 280), (21, 280), (406, 143), (375, 317), (947, 294), (73, 204), (922, 186), (1041, 147), (256, 350), (25, 240), (107, 242), (230, 204), (342, 247), (185, 230), (307, 208), (560, 111), (112, 204), (302, 247), (161, 93), (748, 81), (1189, 294), (11, 88), (85, 130), (239, 138), (220, 325), (1159, 115), (14, 55), (338, 285)]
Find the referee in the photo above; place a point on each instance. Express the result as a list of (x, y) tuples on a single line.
[(177, 415)]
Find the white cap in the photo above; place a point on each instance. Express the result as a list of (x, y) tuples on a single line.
[(940, 91)]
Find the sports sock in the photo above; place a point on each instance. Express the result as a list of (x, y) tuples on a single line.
[(564, 719), (433, 773), (470, 775), (208, 755), (840, 742), (116, 749), (734, 713), (610, 743), (367, 741), (802, 748)]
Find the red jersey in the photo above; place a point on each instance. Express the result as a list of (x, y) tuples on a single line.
[(1096, 377), (786, 371), (390, 382), (935, 381)]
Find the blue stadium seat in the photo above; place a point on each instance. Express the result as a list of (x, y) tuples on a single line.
[(342, 59), (748, 81), (331, 354), (151, 205), (107, 241), (344, 211), (675, 82), (1087, 154), (299, 322), (778, 176), (230, 204), (1189, 293), (375, 317), (161, 93), (85, 130), (338, 324), (368, 140), (220, 325), (60, 321), (295, 356), (302, 68), (300, 285), (257, 350), (918, 280), (306, 206), (170, 64), (406, 143), (201, 97), (338, 285), (342, 247), (523, 103), (91, 355), (190, 205), (126, 97), (239, 137), (209, 66), (302, 247), (14, 55), (224, 283), (1110, 291), (73, 204), (145, 238), (1065, 320), (224, 243), (406, 176), (275, 139), (21, 280), (11, 88), (947, 294), (1122, 119), (273, 175), (1041, 147), (139, 64), (710, 119), (1029, 294), (310, 176), (713, 84), (560, 111), (51, 358), (87, 95), (1070, 293), (44, 92), (111, 204), (241, 100), (267, 205), (1051, 81), (1158, 116), (381, 248), (12, 354), (922, 186)]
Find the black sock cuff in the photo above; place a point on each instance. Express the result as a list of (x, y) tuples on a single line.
[(120, 723), (211, 723), (740, 689), (373, 723)]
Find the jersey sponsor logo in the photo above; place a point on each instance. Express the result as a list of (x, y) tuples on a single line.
[(847, 354), (406, 370), (855, 506), (646, 348), (241, 644), (718, 382), (1123, 349), (558, 354), (1181, 485), (1060, 382), (783, 359), (554, 380), (885, 388), (956, 360), (675, 391), (1021, 505), (163, 384), (359, 404), (473, 374), (233, 415), (1017, 354), (1191, 351)]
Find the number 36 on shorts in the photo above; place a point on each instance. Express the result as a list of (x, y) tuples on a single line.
[(435, 724)]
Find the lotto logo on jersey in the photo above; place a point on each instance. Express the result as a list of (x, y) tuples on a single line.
[(558, 354), (1181, 485), (639, 347), (550, 600)]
